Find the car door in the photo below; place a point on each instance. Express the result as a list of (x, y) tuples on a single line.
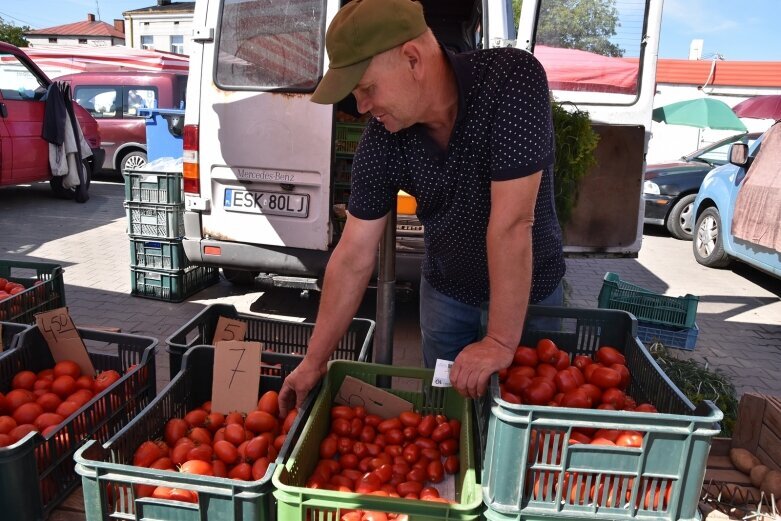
[(25, 155)]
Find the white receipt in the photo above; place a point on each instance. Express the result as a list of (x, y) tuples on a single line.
[(442, 373)]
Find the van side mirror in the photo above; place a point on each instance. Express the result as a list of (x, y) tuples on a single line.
[(738, 154)]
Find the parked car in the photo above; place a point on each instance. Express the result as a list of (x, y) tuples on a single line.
[(714, 244), (670, 188), (24, 154), (114, 98)]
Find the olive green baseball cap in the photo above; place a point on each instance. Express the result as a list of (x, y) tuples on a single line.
[(359, 31)]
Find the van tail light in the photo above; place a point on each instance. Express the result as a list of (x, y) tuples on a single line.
[(190, 169)]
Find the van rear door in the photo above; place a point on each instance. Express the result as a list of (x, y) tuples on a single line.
[(264, 148)]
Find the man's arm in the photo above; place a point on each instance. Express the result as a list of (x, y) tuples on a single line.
[(346, 278), (509, 243)]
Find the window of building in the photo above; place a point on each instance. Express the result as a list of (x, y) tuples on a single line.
[(177, 44), (52, 40), (147, 42), (83, 41)]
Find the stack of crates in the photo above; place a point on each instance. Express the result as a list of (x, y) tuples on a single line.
[(154, 201), (669, 320)]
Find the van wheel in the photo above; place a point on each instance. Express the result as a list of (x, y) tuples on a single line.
[(708, 245), (132, 160), (240, 277)]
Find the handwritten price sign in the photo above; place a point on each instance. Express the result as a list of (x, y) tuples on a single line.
[(229, 329), (63, 338), (236, 376)]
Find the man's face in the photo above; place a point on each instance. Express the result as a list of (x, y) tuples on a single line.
[(389, 92)]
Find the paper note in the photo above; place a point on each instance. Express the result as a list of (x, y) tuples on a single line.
[(63, 339), (236, 378), (354, 392), (442, 373), (229, 329)]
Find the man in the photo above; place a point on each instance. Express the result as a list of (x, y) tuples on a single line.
[(470, 136)]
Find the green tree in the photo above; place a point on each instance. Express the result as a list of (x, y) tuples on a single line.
[(13, 34), (587, 25)]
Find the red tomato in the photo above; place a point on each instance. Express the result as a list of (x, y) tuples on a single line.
[(645, 407), (547, 352), (47, 419), (565, 381), (546, 371), (215, 421), (601, 441), (259, 468), (540, 392), (24, 380), (7, 424), (328, 448), (563, 361), (594, 392), (370, 515), (576, 398), (196, 418), (427, 426), (146, 454), (175, 429), (66, 408), (63, 386), (201, 468), (411, 453), (605, 378), (531, 372), (526, 356), (20, 431), (452, 465), (201, 452), (259, 421), (368, 483), (442, 432), (630, 439), (234, 433), (609, 355), (388, 425), (269, 403), (340, 426), (242, 471), (429, 492), (104, 380), (289, 419), (342, 411), (67, 367), (27, 413), (581, 361), (516, 383), (614, 397), (409, 418), (49, 402), (608, 434), (356, 426), (449, 447), (579, 437), (510, 397), (624, 372), (227, 452)]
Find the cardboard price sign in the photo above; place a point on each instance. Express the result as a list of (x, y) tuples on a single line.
[(229, 329), (354, 392), (236, 377), (63, 339)]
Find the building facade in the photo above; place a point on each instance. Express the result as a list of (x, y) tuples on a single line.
[(166, 26), (91, 32)]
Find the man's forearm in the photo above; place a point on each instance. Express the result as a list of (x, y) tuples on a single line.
[(343, 287), (510, 274)]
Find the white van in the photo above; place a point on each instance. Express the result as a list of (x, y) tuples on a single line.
[(267, 171)]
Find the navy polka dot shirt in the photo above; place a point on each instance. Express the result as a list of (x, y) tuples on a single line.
[(503, 131)]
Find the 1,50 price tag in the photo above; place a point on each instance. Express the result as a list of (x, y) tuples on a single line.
[(236, 376)]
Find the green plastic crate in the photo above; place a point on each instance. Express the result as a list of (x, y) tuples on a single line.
[(108, 477), (674, 452), (153, 187), (155, 221), (171, 286), (49, 293), (36, 473), (347, 136), (9, 334), (295, 502), (289, 340), (158, 254), (646, 305)]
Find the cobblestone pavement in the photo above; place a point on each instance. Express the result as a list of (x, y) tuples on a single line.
[(739, 314)]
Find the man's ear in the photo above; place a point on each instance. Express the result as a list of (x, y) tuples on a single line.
[(412, 55)]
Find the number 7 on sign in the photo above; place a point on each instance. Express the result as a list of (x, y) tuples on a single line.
[(236, 378)]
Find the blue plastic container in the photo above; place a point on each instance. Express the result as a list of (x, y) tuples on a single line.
[(164, 131)]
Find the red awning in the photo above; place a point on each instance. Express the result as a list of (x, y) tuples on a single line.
[(573, 69), (60, 60)]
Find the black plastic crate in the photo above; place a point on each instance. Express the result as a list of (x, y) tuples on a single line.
[(108, 475), (36, 473), (286, 340), (45, 290), (173, 285), (8, 337)]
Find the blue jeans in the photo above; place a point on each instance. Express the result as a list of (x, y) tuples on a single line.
[(447, 325)]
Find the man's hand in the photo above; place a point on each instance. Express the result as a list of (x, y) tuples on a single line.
[(297, 385), (474, 366)]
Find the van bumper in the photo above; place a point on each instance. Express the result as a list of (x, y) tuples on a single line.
[(278, 260)]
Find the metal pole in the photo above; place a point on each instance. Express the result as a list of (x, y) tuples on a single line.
[(386, 294)]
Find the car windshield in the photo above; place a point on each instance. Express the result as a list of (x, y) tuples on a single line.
[(717, 153)]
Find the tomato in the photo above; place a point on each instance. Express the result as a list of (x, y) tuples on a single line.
[(531, 372), (625, 376), (340, 426), (427, 426), (601, 441), (175, 429), (442, 432), (416, 474), (452, 465), (371, 515), (547, 371), (614, 397), (449, 447), (526, 356), (563, 361), (233, 417), (373, 449), (201, 452), (163, 463), (24, 380), (581, 361), (180, 451), (146, 454), (215, 421), (7, 424), (82, 382), (589, 369), (380, 441), (629, 439), (356, 426), (394, 437), (429, 492), (576, 398), (351, 515), (200, 436), (342, 411), (368, 483), (594, 392), (67, 367), (66, 408), (409, 418), (201, 468), (63, 386), (645, 407), (435, 472), (20, 431), (565, 381), (510, 397), (104, 380), (259, 421), (269, 403), (455, 426), (27, 413), (227, 452), (540, 392), (393, 450), (289, 419), (234, 433), (411, 453), (516, 383), (259, 468), (605, 378), (384, 472), (256, 448), (360, 450), (196, 418), (388, 425), (328, 448), (49, 402), (578, 437), (81, 397), (47, 419), (609, 355), (547, 352)]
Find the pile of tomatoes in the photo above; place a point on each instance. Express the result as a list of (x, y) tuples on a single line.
[(42, 401), (209, 443), (545, 376), (9, 290), (395, 457)]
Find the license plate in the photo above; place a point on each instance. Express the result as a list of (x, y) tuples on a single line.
[(266, 203)]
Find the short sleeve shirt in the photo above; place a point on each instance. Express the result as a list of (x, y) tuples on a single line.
[(503, 131)]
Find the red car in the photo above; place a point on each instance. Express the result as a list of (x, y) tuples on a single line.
[(24, 154)]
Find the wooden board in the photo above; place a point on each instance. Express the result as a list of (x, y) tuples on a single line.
[(758, 428)]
